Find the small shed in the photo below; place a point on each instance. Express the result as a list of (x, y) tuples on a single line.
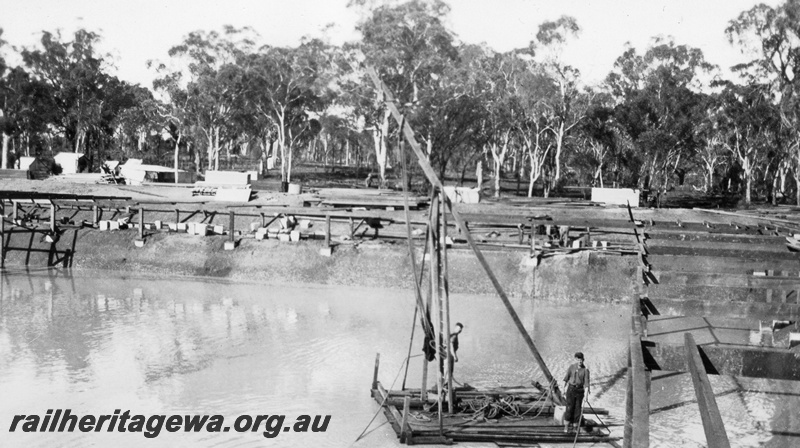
[(25, 163), (39, 169), (68, 162)]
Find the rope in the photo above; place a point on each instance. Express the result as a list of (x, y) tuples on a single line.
[(578, 429), (598, 416), (384, 398)]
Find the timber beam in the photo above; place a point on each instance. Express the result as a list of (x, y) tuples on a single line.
[(726, 280), (716, 437), (753, 362), (728, 309)]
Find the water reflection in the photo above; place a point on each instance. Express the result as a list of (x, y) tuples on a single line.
[(96, 342)]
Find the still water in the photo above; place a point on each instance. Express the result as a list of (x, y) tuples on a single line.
[(94, 342)]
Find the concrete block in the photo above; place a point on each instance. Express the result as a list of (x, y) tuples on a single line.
[(201, 229), (326, 251), (230, 245), (576, 244), (157, 225), (219, 230), (138, 243), (173, 227), (284, 237), (105, 225), (113, 225), (261, 235), (305, 223), (183, 227), (254, 226), (294, 236)]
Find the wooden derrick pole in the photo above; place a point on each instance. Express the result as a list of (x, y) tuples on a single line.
[(428, 301), (437, 311), (446, 299), (434, 180)]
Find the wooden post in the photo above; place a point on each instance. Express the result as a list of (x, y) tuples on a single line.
[(716, 437), (375, 374), (627, 434), (263, 220), (2, 241), (177, 216), (328, 230), (53, 219), (141, 223), (533, 239), (232, 225), (352, 231), (446, 295), (404, 424), (521, 235), (16, 210), (797, 294), (95, 215), (770, 273)]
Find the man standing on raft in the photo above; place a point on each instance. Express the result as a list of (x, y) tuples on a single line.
[(576, 382)]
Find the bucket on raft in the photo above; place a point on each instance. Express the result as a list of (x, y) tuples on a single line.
[(558, 414)]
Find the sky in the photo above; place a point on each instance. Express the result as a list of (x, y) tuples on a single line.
[(134, 32)]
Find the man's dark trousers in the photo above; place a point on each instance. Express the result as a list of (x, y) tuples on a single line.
[(574, 404)]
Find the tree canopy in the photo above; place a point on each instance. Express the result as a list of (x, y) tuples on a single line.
[(663, 117)]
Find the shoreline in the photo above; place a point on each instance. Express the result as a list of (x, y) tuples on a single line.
[(371, 264)]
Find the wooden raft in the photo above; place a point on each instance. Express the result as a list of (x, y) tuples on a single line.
[(524, 416)]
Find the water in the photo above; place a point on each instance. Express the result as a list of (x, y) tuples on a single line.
[(96, 342)]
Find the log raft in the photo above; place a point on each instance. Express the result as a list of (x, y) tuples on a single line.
[(524, 415)]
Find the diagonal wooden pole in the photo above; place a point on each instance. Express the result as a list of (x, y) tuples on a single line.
[(434, 180)]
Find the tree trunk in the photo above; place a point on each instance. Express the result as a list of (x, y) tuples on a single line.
[(177, 145), (533, 177), (748, 182), (559, 145), (5, 151), (381, 153)]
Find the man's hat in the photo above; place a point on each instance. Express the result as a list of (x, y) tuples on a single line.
[(579, 355)]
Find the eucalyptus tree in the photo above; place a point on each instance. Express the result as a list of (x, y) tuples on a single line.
[(568, 105), (747, 121), (207, 64), (658, 106), (27, 110), (75, 75), (286, 87), (771, 37), (170, 113), (411, 48)]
